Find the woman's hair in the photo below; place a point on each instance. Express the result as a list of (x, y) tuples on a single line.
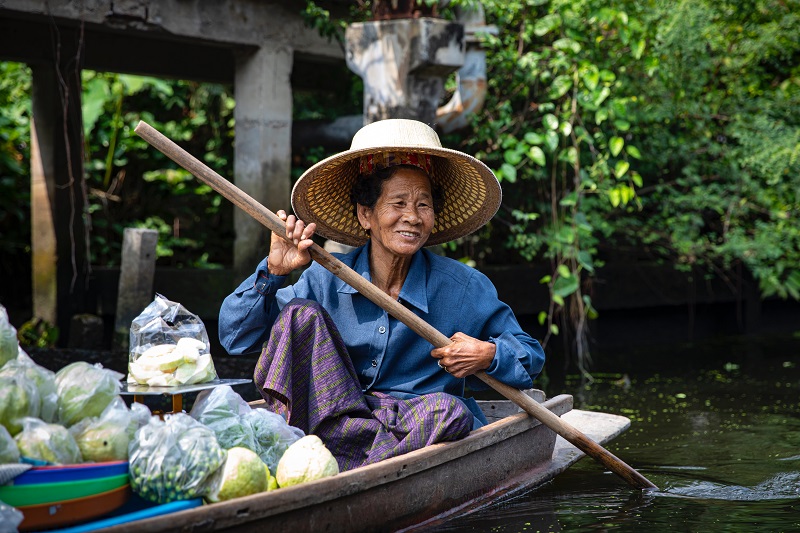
[(368, 187)]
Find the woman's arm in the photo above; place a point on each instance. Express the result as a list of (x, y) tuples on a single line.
[(247, 314)]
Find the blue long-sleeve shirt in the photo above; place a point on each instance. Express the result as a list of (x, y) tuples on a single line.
[(387, 355)]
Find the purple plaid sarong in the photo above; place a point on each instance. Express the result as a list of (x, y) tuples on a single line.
[(305, 373)]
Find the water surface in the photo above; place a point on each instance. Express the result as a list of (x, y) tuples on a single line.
[(715, 426)]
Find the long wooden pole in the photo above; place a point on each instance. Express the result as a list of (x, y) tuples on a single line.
[(383, 300)]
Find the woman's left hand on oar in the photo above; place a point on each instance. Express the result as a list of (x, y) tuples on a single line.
[(465, 356)]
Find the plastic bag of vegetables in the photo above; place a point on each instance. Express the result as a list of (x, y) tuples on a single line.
[(85, 390), (47, 442), (172, 459), (106, 438), (235, 423), (8, 338), (221, 409), (9, 453), (26, 369), (273, 435), (169, 346), (18, 398)]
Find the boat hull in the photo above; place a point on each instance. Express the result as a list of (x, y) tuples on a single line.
[(515, 453)]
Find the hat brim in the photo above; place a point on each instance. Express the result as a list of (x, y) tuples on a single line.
[(471, 191)]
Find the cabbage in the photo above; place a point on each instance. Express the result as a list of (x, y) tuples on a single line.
[(172, 459), (26, 369), (47, 442), (84, 390), (243, 474), (306, 460), (8, 338), (18, 398), (9, 453)]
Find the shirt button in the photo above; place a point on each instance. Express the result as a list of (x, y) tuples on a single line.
[(374, 362), (382, 329)]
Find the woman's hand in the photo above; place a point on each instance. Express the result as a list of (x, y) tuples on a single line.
[(465, 356), (285, 256)]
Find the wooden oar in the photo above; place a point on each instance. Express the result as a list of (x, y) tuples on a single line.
[(383, 300)]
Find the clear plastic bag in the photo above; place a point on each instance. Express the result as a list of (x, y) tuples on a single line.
[(10, 518), (172, 459), (9, 453), (221, 409), (85, 390), (25, 368), (236, 424), (169, 346), (106, 438), (273, 435), (52, 443), (19, 398), (8, 338)]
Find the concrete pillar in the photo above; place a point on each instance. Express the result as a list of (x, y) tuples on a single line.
[(263, 151), (56, 104), (43, 234), (404, 63), (136, 275)]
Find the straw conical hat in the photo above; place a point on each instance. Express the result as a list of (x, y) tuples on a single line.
[(471, 191)]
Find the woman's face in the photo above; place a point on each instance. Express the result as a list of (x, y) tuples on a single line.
[(403, 218)]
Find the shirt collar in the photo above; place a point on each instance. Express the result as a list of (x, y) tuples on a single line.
[(415, 287)]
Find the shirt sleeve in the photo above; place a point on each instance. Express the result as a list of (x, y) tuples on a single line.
[(247, 314), (518, 358)]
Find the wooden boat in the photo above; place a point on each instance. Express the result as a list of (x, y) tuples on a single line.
[(513, 453)]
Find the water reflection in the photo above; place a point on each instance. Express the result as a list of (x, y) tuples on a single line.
[(720, 436)]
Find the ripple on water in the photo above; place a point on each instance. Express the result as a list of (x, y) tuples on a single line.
[(785, 485)]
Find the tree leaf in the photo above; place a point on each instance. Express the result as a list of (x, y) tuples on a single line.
[(633, 151), (563, 271), (559, 87), (537, 155), (546, 24), (554, 327), (542, 318), (621, 168), (550, 121), (615, 145), (533, 138), (563, 287), (509, 172), (551, 140)]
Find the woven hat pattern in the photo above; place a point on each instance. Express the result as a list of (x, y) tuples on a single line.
[(472, 192)]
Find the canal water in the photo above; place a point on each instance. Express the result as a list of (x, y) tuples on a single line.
[(716, 426)]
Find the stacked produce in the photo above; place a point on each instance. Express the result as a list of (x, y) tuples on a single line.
[(223, 449)]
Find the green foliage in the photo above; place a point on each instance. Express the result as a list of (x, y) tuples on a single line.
[(15, 106), (188, 214)]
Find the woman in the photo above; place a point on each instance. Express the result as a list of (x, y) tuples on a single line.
[(337, 364)]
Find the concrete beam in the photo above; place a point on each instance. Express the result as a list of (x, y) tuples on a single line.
[(235, 23), (263, 131)]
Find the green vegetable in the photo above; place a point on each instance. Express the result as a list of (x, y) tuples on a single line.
[(24, 368), (306, 460), (85, 390), (9, 347), (18, 399), (103, 442), (243, 473), (47, 442), (9, 453), (172, 459)]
